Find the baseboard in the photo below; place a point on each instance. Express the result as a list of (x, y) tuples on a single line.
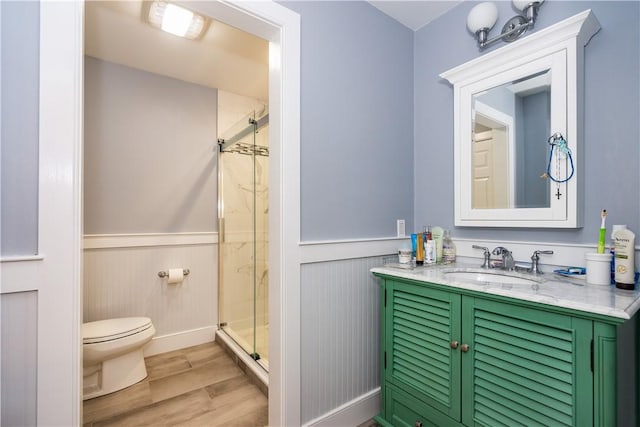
[(184, 339), (352, 413)]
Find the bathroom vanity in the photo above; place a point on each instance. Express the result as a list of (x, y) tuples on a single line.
[(469, 347)]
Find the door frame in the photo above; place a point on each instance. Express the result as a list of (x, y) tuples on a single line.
[(61, 139)]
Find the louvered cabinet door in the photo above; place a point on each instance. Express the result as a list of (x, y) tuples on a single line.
[(525, 367), (421, 325)]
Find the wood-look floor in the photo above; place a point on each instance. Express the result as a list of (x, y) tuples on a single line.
[(196, 386)]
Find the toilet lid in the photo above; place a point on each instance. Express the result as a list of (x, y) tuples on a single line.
[(111, 329)]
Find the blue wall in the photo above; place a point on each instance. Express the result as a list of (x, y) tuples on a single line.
[(356, 121), (366, 162), (612, 111)]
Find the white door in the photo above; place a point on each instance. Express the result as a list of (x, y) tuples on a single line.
[(490, 161), (41, 293)]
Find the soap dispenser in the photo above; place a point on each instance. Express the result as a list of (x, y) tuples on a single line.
[(448, 249)]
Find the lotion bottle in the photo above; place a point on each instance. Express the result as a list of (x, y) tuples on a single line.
[(624, 240), (612, 251), (437, 237)]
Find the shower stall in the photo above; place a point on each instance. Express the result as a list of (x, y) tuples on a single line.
[(243, 230)]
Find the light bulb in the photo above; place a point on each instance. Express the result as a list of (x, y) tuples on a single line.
[(523, 4), (483, 15), (176, 20)]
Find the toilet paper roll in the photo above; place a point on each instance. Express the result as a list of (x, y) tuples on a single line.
[(176, 275)]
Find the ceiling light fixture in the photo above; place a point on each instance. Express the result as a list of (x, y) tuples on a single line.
[(483, 17), (175, 19)]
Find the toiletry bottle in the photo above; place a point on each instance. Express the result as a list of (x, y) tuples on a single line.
[(414, 245), (429, 248), (612, 251), (448, 249), (625, 254), (430, 252), (419, 250), (437, 237), (424, 240)]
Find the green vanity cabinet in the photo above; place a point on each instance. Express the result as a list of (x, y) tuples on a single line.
[(454, 358)]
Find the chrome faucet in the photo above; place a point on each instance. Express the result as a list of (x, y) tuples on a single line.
[(507, 262), (486, 254)]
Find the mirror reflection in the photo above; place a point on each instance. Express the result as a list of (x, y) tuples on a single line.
[(511, 125)]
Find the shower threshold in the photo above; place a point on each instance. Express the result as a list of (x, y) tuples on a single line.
[(257, 370)]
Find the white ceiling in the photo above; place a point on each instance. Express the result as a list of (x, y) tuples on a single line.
[(414, 14), (225, 58)]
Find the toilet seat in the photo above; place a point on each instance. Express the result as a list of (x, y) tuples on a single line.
[(113, 329)]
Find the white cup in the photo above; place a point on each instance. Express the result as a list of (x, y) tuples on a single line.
[(598, 268)]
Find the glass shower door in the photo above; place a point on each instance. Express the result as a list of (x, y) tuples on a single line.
[(243, 236)]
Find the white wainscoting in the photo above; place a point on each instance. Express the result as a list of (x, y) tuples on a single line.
[(121, 279), (339, 343)]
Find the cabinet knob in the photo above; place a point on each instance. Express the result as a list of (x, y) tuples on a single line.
[(418, 423), (464, 348), (453, 344)]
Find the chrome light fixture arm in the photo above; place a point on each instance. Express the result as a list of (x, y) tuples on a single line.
[(513, 28)]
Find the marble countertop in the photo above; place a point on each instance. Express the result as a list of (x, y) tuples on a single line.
[(549, 288)]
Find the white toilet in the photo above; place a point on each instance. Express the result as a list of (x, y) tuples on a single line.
[(112, 354)]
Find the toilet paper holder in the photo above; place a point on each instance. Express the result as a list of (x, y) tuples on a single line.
[(163, 274)]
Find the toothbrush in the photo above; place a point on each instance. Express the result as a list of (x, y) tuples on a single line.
[(603, 232)]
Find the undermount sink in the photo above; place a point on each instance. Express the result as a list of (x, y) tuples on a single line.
[(490, 277)]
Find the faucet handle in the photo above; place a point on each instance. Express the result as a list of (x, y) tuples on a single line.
[(486, 254), (536, 254), (535, 258)]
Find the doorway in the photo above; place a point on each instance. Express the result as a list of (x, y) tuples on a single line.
[(61, 35)]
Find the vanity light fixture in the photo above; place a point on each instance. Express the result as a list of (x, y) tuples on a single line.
[(174, 19), (483, 17)]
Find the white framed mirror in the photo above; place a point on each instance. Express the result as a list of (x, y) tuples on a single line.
[(506, 106)]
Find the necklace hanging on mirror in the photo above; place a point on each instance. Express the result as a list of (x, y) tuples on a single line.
[(562, 152), (558, 158)]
